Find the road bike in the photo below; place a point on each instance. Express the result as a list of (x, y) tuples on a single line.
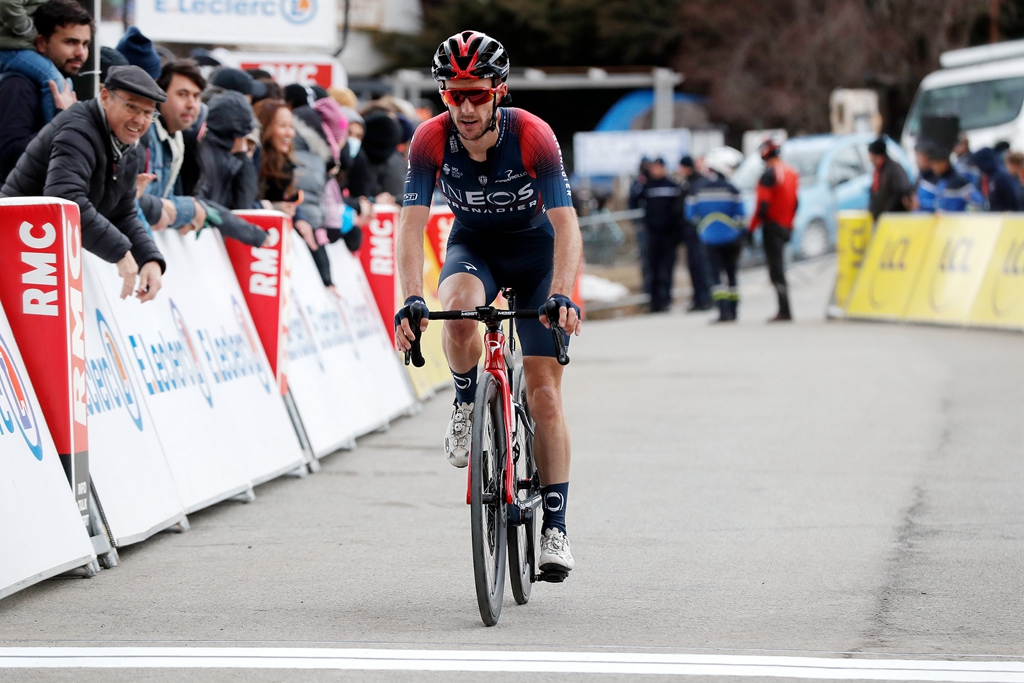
[(503, 491)]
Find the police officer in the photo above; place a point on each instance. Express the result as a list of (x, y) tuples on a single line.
[(696, 258), (774, 212), (661, 198)]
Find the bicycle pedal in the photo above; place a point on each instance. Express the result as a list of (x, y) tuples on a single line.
[(552, 575)]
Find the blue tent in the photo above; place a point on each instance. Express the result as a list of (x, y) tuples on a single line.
[(622, 114)]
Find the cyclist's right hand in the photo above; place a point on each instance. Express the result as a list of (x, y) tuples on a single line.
[(414, 311)]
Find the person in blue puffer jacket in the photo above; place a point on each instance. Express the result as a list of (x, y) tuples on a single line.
[(954, 193), (998, 187), (715, 206)]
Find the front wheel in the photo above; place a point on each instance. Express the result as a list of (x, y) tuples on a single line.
[(522, 538), (487, 499)]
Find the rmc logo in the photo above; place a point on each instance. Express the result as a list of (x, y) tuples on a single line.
[(298, 11), (19, 409), (113, 386)]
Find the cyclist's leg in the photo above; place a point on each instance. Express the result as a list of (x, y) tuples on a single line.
[(465, 283)]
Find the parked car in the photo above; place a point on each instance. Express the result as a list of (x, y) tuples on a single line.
[(835, 173)]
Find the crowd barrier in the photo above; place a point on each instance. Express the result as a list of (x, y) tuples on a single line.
[(959, 269), (159, 409)]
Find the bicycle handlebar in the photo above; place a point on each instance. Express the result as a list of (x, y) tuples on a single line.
[(485, 314)]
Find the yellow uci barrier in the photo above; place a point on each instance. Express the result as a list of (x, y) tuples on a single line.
[(853, 235), (886, 280), (1000, 298), (953, 268)]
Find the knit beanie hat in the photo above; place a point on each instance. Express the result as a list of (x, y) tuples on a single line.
[(110, 57), (334, 123), (139, 51)]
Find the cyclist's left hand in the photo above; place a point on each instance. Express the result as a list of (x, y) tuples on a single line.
[(404, 335), (568, 315)]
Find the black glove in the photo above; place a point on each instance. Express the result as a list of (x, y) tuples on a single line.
[(415, 309), (554, 303)]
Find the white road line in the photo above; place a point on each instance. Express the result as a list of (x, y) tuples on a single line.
[(504, 661)]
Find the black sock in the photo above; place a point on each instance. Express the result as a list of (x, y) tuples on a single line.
[(555, 497), (465, 385)]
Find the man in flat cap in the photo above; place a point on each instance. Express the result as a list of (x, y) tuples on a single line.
[(89, 154)]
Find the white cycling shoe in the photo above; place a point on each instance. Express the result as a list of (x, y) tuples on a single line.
[(458, 438), (554, 552)]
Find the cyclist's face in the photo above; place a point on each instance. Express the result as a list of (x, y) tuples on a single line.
[(471, 119)]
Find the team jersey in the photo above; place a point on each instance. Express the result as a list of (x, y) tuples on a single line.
[(525, 178)]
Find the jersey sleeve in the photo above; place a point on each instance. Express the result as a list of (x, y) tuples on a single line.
[(542, 159), (425, 157)]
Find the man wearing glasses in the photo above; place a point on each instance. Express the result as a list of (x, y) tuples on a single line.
[(500, 170), (89, 155)]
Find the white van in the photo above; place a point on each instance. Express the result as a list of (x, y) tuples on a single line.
[(982, 85)]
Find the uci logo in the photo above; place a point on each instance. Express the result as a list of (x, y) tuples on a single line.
[(298, 11), (119, 381), (955, 259), (1006, 291), (15, 406), (251, 341), (891, 265), (186, 339)]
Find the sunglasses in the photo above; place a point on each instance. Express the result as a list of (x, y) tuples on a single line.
[(476, 96)]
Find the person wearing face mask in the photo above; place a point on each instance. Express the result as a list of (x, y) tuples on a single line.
[(342, 215)]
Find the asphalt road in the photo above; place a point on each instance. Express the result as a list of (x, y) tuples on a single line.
[(820, 489)]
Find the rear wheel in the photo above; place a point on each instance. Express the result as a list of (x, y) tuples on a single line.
[(522, 538), (487, 499)]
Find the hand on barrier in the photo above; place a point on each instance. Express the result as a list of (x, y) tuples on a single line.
[(150, 281), (568, 314), (410, 322), (168, 214), (198, 220), (127, 270)]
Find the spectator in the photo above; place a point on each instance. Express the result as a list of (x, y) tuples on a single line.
[(64, 31), (313, 158), (18, 52), (963, 161), (387, 167), (696, 260), (344, 96), (342, 215), (226, 78), (924, 192), (953, 191), (1000, 190), (715, 207), (139, 50), (661, 199), (277, 168), (90, 156), (227, 174), (774, 212), (110, 57), (296, 96), (1015, 165), (264, 87), (890, 187)]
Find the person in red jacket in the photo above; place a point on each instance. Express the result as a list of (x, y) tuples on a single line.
[(775, 208)]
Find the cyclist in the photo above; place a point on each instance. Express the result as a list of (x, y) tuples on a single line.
[(500, 170)]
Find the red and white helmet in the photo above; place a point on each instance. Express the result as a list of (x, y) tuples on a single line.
[(470, 54)]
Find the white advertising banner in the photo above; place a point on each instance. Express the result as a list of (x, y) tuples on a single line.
[(309, 23), (612, 153), (126, 461), (203, 374), (42, 534), (332, 386), (390, 387)]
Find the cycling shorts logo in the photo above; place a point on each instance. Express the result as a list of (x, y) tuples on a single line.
[(411, 196), (554, 502), (190, 346), (119, 381), (462, 382), (469, 266), (250, 339), (15, 406), (298, 11)]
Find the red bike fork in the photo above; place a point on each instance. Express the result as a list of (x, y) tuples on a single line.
[(494, 364)]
